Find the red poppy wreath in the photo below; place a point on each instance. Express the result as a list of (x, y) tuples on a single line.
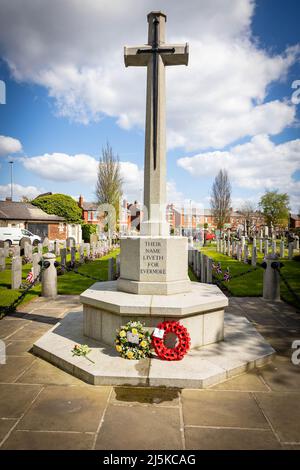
[(158, 341)]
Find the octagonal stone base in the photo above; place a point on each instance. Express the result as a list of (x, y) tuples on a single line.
[(201, 311), (243, 349)]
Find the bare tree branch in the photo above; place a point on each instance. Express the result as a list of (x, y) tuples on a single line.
[(221, 199), (109, 180)]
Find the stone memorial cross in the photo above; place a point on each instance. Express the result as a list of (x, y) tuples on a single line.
[(155, 56)]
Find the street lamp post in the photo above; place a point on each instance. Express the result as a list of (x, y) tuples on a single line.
[(11, 179)]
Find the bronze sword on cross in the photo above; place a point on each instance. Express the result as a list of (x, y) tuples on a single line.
[(155, 50)]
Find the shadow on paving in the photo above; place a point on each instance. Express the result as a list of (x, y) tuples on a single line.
[(35, 318)]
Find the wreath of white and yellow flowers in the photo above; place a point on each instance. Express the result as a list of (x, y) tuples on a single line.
[(132, 341)]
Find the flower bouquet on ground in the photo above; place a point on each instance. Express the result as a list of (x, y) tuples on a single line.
[(82, 350), (132, 341)]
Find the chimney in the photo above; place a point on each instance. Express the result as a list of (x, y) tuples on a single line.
[(80, 201)]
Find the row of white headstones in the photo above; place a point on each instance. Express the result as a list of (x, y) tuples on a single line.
[(60, 248), (240, 249)]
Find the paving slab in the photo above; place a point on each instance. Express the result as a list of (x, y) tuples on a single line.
[(18, 347), (229, 439), (283, 410), (33, 330), (281, 338), (55, 312), (5, 427), (282, 375), (227, 409), (137, 427), (64, 408), (14, 367), (32, 440), (8, 327), (41, 372), (250, 382), (15, 398)]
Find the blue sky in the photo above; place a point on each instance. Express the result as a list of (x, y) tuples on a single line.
[(68, 93)]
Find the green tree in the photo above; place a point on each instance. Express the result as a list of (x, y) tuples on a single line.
[(109, 180), (60, 204), (275, 208), (87, 230), (220, 200)]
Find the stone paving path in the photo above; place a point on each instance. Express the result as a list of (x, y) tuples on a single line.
[(42, 407)]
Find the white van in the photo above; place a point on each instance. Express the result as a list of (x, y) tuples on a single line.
[(13, 235)]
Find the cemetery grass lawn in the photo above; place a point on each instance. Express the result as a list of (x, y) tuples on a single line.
[(251, 284), (74, 284), (68, 284)]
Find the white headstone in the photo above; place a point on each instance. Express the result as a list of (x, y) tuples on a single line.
[(73, 255), (28, 251), (46, 242), (57, 247), (36, 268), (63, 256), (6, 249), (16, 272), (291, 250), (88, 249), (246, 251), (254, 256), (2, 259), (16, 250), (81, 252), (209, 269), (266, 247), (239, 252), (281, 248), (243, 240), (111, 269)]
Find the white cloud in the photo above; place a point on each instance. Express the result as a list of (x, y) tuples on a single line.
[(63, 167), (9, 145), (77, 55), (176, 197), (133, 181), (257, 165), (19, 191), (82, 168)]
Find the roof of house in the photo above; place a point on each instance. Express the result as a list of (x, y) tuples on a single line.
[(25, 211), (90, 206), (295, 216)]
